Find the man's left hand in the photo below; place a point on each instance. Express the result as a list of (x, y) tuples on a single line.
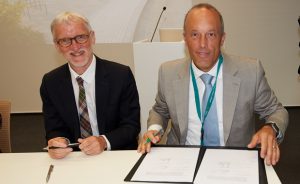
[(92, 145), (269, 147)]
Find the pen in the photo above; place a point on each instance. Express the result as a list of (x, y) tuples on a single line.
[(49, 173), (149, 140), (71, 145)]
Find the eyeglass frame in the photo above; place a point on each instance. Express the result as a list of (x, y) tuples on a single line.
[(75, 38)]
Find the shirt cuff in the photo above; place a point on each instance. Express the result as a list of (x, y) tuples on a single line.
[(108, 146), (156, 127)]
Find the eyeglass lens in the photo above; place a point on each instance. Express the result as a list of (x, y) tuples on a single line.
[(80, 39)]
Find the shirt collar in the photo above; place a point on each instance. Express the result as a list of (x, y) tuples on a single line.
[(212, 72), (89, 74)]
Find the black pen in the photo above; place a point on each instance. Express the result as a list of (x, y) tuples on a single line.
[(71, 145), (49, 173)]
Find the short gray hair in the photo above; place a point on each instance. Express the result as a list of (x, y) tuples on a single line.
[(66, 17)]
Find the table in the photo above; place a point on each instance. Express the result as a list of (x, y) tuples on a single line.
[(110, 167)]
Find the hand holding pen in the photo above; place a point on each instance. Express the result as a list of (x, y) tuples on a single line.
[(70, 145), (151, 136), (58, 148), (155, 139)]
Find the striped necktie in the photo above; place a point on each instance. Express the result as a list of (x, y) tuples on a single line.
[(85, 126)]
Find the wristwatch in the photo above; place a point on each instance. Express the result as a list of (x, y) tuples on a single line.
[(275, 128)]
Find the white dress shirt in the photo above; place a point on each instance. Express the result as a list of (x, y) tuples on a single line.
[(89, 85), (194, 123)]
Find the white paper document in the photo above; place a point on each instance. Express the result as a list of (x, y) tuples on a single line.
[(228, 166), (168, 164)]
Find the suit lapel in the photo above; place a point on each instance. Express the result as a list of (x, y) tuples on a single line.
[(101, 93), (68, 100), (181, 93), (231, 85)]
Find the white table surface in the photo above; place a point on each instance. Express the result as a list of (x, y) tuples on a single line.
[(77, 168)]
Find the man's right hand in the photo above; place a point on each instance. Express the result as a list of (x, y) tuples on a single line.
[(59, 152), (145, 146)]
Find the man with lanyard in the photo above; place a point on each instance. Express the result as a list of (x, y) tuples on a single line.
[(212, 97)]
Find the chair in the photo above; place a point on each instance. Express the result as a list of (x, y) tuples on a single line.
[(5, 146)]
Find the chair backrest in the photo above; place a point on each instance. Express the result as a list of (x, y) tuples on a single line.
[(5, 107)]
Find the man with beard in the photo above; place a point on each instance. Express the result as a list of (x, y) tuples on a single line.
[(88, 100)]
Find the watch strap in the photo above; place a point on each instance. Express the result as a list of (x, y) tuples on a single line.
[(277, 131)]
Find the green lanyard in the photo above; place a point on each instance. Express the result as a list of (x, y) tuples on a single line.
[(210, 98)]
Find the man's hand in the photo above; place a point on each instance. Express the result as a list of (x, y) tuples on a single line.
[(92, 145), (269, 147), (59, 152), (145, 146)]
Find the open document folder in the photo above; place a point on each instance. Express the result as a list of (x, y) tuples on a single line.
[(199, 165)]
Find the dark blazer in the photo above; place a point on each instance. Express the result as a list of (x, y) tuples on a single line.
[(117, 104)]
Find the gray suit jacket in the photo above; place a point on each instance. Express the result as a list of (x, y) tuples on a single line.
[(245, 92)]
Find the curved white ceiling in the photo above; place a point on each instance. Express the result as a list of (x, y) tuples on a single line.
[(112, 20)]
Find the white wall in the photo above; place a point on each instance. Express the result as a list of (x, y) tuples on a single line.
[(146, 70), (267, 30), (172, 17)]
